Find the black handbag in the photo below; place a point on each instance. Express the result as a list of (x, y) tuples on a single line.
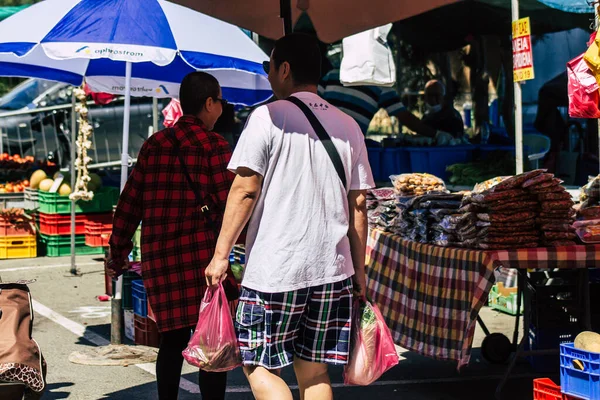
[(205, 204)]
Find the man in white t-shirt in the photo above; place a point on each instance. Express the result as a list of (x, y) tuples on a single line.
[(307, 232)]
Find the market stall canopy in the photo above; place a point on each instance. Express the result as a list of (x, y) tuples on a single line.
[(67, 40), (333, 19), (450, 27), (6, 12)]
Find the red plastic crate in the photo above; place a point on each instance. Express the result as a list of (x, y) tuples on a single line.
[(146, 332), (545, 389), (97, 234), (17, 227), (55, 224)]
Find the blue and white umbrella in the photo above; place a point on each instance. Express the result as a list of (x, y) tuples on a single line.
[(65, 40), (131, 47)]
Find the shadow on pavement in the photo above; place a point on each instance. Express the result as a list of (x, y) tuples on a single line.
[(53, 391)]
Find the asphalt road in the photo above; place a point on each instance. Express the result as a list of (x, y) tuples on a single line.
[(69, 318)]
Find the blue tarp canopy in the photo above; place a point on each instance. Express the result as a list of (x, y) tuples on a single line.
[(449, 27)]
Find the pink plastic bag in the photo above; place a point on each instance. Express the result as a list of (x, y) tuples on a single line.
[(373, 351), (213, 346), (172, 112), (583, 90)]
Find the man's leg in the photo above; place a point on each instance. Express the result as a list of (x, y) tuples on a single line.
[(313, 380), (267, 385)]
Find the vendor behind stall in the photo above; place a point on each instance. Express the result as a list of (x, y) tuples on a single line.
[(440, 114)]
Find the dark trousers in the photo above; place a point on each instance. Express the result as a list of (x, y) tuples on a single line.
[(168, 369)]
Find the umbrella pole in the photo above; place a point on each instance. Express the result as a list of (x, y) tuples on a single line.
[(285, 8), (73, 175), (518, 106), (116, 310), (154, 115)]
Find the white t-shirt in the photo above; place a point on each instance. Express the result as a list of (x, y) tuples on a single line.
[(298, 233)]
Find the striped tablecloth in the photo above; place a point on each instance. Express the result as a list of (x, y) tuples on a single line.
[(431, 296)]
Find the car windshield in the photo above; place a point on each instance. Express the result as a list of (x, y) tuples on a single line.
[(24, 94)]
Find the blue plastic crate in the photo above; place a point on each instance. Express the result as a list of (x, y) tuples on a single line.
[(394, 161), (548, 339), (140, 301), (581, 384), (374, 154), (434, 160)]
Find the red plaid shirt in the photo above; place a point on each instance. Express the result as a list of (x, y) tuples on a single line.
[(176, 243)]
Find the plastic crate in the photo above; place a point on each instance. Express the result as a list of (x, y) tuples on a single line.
[(554, 306), (434, 160), (97, 234), (504, 299), (18, 247), (548, 339), (55, 224), (583, 384), (32, 199), (394, 161), (374, 154), (546, 389), (146, 332), (17, 227), (103, 201), (126, 294), (12, 200), (60, 246), (139, 298)]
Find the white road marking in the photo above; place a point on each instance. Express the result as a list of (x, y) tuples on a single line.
[(98, 340), (48, 266)]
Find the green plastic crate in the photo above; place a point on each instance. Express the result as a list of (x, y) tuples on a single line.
[(126, 294), (60, 246), (504, 303), (136, 252), (103, 201)]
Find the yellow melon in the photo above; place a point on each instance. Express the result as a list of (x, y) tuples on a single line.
[(64, 189), (46, 184), (37, 177)]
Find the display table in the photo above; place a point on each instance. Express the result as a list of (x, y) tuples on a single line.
[(430, 296)]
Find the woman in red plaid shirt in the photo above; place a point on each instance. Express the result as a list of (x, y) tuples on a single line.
[(180, 220)]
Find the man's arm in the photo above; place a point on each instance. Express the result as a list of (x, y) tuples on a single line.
[(357, 233), (242, 199), (415, 124), (128, 214)]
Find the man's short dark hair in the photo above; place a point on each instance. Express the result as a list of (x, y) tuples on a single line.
[(195, 89), (302, 52)]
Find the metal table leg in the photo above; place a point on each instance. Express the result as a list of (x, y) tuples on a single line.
[(519, 346)]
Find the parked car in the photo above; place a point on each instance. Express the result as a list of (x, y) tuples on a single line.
[(44, 131)]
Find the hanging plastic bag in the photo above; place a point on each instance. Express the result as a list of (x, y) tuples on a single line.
[(373, 351), (213, 346), (583, 90), (172, 112)]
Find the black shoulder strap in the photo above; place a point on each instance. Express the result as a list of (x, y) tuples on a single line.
[(323, 136), (201, 201)]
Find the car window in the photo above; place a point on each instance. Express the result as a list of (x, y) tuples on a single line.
[(24, 94)]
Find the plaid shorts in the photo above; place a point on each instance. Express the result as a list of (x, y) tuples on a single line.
[(312, 324)]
